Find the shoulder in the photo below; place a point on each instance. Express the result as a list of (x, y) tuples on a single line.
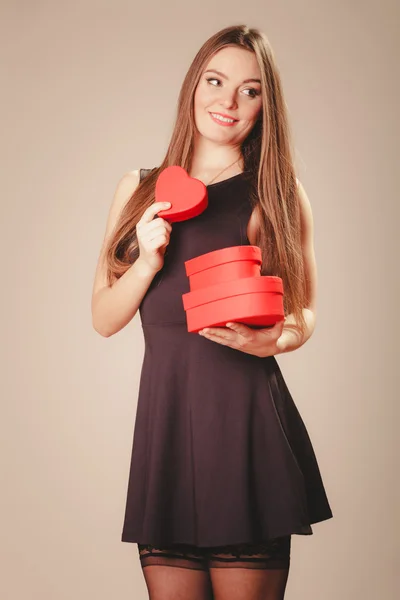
[(131, 178), (128, 184), (129, 181), (125, 187), (123, 192)]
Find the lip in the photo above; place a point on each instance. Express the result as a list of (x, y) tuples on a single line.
[(221, 122)]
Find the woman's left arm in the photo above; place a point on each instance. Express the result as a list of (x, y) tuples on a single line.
[(285, 336), (290, 338)]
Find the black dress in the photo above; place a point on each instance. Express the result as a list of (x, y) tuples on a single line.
[(220, 453)]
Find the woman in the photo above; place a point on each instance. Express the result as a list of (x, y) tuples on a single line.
[(222, 468)]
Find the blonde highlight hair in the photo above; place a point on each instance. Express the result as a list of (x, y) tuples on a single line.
[(268, 163)]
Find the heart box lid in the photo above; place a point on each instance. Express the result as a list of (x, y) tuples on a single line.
[(188, 196), (228, 289), (219, 257)]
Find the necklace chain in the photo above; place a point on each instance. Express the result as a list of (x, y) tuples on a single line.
[(220, 173)]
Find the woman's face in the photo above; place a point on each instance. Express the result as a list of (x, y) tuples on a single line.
[(228, 93)]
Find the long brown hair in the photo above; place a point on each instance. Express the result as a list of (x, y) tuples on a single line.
[(268, 163)]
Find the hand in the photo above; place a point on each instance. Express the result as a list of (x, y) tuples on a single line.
[(259, 342), (153, 236)]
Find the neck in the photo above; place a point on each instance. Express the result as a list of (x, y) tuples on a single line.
[(210, 157)]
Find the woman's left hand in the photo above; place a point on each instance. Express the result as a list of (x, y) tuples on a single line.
[(259, 342)]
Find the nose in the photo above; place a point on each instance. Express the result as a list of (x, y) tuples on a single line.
[(228, 99)]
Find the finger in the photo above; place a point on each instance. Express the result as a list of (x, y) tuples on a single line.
[(153, 235), (161, 235), (280, 322), (273, 329), (241, 329), (279, 325), (148, 232), (156, 223), (152, 210), (158, 241), (220, 333), (220, 340)]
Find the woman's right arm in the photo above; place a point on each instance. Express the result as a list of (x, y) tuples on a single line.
[(113, 307)]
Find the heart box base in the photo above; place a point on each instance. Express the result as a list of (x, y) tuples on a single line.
[(253, 301)]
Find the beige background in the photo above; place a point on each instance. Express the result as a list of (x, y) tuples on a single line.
[(89, 92)]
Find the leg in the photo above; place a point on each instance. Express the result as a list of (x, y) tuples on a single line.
[(176, 572), (250, 572)]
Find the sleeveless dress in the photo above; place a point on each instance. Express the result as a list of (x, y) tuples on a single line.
[(220, 453)]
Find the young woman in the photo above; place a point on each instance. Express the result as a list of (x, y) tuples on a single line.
[(222, 470)]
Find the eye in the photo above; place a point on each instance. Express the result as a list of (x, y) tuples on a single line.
[(254, 92), (212, 79)]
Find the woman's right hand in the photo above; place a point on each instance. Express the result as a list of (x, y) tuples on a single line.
[(153, 236)]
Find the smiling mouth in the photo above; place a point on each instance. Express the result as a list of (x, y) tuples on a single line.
[(222, 119)]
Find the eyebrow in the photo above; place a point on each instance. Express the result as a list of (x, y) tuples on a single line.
[(225, 77)]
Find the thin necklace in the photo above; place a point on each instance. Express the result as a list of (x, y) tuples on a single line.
[(220, 173)]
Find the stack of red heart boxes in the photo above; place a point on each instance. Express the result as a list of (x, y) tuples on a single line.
[(226, 285)]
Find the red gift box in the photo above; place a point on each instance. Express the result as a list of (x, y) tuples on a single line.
[(226, 285), (226, 264)]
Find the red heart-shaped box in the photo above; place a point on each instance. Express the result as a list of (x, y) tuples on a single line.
[(227, 264), (254, 301), (188, 196), (226, 285)]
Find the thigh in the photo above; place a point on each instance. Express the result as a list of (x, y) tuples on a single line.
[(250, 571), (175, 572)]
